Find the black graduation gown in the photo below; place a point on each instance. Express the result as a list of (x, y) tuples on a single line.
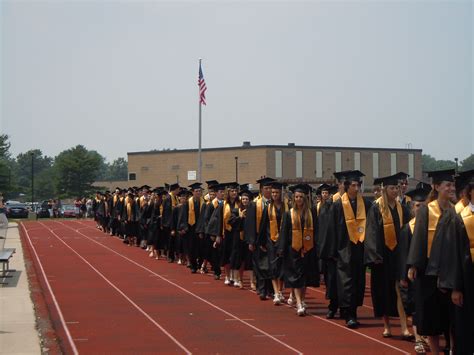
[(299, 271), (433, 273), (259, 257), (154, 229), (190, 238), (349, 259), (463, 316), (130, 222), (384, 275), (407, 294), (239, 253), (273, 262), (177, 239)]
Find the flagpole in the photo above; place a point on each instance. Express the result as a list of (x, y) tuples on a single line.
[(199, 149)]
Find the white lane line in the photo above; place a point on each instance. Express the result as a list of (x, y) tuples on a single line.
[(233, 320), (61, 317), (318, 317), (123, 294), (191, 293)]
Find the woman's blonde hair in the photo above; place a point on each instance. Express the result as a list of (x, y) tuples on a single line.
[(305, 211), (383, 202)]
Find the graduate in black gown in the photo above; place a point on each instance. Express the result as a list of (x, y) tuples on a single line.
[(130, 218), (179, 225), (239, 254), (211, 229), (381, 252), (430, 259), (154, 216), (205, 243), (297, 246), (348, 226), (268, 240), (326, 247), (418, 198), (253, 228), (463, 293), (167, 242)]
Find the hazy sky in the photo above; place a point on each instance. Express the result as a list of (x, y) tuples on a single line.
[(121, 76)]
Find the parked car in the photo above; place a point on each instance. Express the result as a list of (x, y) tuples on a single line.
[(68, 211), (17, 210), (43, 210)]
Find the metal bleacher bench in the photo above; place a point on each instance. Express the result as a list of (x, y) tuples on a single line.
[(5, 255)]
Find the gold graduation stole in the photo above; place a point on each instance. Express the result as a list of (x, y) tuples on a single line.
[(115, 200), (161, 209), (121, 198), (241, 232), (434, 212), (355, 225), (302, 238), (106, 206), (272, 217), (459, 206), (142, 201), (389, 228), (318, 207), (260, 206), (174, 200), (412, 225), (227, 213), (215, 202), (336, 196), (468, 219), (191, 214), (128, 205)]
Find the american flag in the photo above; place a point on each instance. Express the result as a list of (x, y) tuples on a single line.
[(202, 87)]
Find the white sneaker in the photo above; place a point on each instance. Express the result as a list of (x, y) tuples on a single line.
[(179, 262), (301, 311), (276, 300), (238, 284), (226, 281), (290, 301), (281, 297)]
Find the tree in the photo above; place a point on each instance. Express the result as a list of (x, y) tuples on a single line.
[(118, 170), (5, 166), (43, 174), (468, 163), (76, 169), (4, 146), (431, 164)]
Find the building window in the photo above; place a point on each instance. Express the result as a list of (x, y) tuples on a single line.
[(319, 164), (338, 166), (411, 165), (299, 164), (356, 160), (278, 164), (393, 163), (132, 176), (175, 167), (375, 165)]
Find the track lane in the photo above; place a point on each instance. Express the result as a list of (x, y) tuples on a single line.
[(369, 331)]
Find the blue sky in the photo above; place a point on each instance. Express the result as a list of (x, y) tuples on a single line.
[(121, 76)]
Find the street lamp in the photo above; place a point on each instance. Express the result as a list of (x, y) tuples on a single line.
[(456, 160), (236, 169)]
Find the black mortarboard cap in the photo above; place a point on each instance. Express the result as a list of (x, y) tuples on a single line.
[(322, 187), (424, 186), (265, 181), (211, 183), (333, 189), (218, 187), (167, 186), (183, 192), (145, 187), (418, 194), (377, 181), (304, 188), (441, 175), (353, 175), (117, 188), (243, 187), (464, 178), (246, 192), (277, 185), (232, 185), (196, 185), (174, 186), (341, 175), (389, 180), (401, 175)]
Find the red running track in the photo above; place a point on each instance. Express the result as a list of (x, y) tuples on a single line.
[(106, 297)]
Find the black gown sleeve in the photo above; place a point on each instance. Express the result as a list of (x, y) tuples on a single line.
[(285, 234), (417, 253), (214, 227), (403, 248), (250, 226), (374, 236)]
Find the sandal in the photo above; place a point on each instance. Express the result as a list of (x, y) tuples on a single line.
[(387, 334), (420, 348), (408, 337)]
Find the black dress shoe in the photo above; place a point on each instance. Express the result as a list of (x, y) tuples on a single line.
[(217, 277), (352, 324), (263, 297), (330, 314), (193, 271)]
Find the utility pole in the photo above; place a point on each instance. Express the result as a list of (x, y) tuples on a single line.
[(236, 169), (32, 178)]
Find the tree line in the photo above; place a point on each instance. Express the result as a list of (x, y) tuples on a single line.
[(68, 175), (71, 173)]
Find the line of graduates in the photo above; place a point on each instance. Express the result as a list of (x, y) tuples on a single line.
[(417, 244)]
